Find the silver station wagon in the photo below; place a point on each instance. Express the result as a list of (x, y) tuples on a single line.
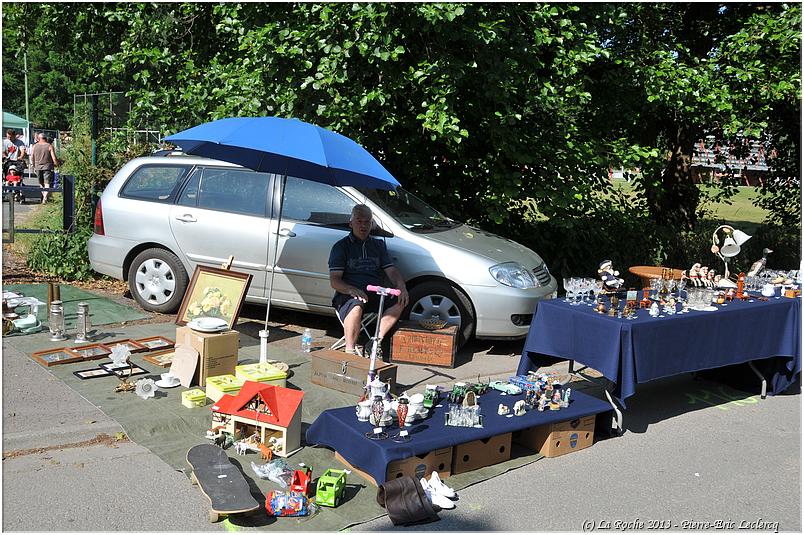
[(160, 216)]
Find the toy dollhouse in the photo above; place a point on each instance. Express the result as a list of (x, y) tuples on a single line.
[(272, 413)]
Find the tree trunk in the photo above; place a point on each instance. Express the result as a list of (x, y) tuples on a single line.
[(675, 202)]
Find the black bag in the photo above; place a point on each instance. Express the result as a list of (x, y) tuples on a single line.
[(405, 501)]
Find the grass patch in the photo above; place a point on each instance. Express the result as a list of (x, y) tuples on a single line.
[(46, 216)]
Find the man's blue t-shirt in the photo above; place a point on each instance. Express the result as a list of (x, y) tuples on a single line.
[(362, 262)]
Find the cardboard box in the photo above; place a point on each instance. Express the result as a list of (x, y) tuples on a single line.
[(414, 344), (347, 373), (552, 440), (262, 372), (479, 453), (217, 352), (418, 466), (219, 385), (193, 398)]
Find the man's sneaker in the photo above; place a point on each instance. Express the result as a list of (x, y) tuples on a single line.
[(357, 350), (369, 348), (435, 498), (440, 487)]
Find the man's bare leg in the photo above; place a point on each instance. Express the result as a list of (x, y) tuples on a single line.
[(351, 326)]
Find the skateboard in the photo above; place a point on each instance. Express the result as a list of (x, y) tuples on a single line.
[(220, 481)]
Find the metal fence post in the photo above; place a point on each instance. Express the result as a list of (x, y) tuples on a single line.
[(68, 198)]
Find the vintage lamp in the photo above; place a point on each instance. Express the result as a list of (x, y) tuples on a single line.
[(83, 323), (732, 242), (56, 321)]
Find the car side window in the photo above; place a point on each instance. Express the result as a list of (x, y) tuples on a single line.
[(314, 202), (229, 190), (189, 195), (156, 183)]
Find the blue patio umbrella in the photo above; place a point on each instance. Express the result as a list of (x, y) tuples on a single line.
[(288, 147)]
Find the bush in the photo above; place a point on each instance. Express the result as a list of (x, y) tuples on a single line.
[(62, 254)]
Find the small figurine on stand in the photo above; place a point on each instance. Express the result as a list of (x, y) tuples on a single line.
[(695, 274), (542, 403), (711, 280), (609, 276), (704, 273), (519, 408), (565, 401)]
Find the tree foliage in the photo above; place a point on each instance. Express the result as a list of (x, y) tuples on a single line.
[(502, 114)]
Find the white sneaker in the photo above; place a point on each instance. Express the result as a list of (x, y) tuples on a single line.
[(435, 498), (440, 487)]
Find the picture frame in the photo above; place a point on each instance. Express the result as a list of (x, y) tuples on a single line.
[(162, 358), (215, 293), (92, 373), (156, 343), (92, 351), (52, 357), (122, 371), (134, 347)]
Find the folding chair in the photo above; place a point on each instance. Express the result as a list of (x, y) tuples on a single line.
[(365, 323)]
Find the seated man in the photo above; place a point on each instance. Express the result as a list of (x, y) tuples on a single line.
[(355, 262)]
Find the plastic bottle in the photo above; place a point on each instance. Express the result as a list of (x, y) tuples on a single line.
[(306, 341)]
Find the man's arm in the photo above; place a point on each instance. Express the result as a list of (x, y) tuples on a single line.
[(399, 283), (53, 156), (23, 150), (339, 285)]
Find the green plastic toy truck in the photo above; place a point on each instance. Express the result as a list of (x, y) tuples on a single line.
[(330, 487)]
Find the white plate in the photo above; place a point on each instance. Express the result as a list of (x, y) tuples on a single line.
[(161, 383), (710, 308), (208, 325)]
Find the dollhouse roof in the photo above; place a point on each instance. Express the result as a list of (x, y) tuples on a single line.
[(282, 403)]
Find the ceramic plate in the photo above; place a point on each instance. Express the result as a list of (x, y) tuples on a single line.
[(208, 325), (161, 383)]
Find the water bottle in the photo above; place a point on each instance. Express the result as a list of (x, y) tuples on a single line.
[(306, 341)]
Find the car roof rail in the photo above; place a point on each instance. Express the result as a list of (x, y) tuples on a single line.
[(168, 152)]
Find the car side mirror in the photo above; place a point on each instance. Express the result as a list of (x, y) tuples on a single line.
[(380, 232)]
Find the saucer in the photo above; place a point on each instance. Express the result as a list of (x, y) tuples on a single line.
[(208, 325), (161, 383)]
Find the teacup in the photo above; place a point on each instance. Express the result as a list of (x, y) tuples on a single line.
[(363, 410)]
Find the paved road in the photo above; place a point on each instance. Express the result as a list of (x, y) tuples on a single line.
[(693, 451)]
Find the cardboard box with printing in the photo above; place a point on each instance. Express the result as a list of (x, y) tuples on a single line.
[(217, 352)]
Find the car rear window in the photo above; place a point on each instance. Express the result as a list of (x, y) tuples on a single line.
[(157, 183)]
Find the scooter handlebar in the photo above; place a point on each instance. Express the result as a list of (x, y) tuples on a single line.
[(381, 290)]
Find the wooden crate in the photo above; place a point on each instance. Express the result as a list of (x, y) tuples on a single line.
[(347, 373), (414, 344)]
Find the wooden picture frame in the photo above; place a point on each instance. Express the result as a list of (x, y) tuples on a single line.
[(156, 343), (52, 357), (92, 373), (223, 299), (122, 371), (91, 351), (134, 347), (162, 358)]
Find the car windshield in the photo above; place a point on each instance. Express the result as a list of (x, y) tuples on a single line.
[(409, 210)]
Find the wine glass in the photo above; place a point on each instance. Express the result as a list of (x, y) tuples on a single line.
[(577, 288), (568, 289)]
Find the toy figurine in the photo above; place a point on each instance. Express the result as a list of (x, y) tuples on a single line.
[(695, 274), (502, 410), (565, 401), (710, 277), (645, 302), (704, 273), (741, 286), (519, 408), (609, 276), (542, 403), (600, 308)]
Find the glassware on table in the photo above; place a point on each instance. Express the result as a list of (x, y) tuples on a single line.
[(377, 413), (568, 289), (589, 286), (577, 288)]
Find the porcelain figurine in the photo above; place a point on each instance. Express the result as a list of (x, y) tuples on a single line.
[(609, 276), (502, 410), (565, 401), (695, 274), (704, 273), (654, 309), (542, 403), (519, 408)]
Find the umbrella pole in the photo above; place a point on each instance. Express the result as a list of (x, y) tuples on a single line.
[(276, 247)]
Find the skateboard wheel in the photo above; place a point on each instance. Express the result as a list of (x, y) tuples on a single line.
[(214, 517), (193, 479)]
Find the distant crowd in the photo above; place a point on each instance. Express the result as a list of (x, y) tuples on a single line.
[(40, 158)]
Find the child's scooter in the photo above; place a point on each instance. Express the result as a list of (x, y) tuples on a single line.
[(376, 339)]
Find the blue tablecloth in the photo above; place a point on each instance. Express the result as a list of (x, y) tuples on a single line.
[(340, 430), (628, 352)]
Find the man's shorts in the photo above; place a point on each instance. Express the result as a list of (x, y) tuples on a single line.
[(45, 178), (344, 303)]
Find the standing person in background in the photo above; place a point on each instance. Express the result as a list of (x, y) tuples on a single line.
[(43, 162), (14, 150)]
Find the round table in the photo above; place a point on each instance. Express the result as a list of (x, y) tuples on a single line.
[(646, 273)]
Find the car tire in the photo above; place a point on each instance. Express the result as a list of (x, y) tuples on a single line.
[(157, 280), (452, 305)]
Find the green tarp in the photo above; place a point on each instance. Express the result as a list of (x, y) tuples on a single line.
[(13, 121)]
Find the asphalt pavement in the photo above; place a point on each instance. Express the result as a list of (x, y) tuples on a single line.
[(693, 452)]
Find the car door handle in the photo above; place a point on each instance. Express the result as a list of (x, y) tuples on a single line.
[(186, 218), (286, 233)]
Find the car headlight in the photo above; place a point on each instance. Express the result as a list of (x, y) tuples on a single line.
[(514, 275)]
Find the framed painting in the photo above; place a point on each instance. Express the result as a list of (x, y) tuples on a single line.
[(51, 357), (214, 293), (156, 343), (92, 351), (134, 347), (123, 371), (92, 373), (161, 358)]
